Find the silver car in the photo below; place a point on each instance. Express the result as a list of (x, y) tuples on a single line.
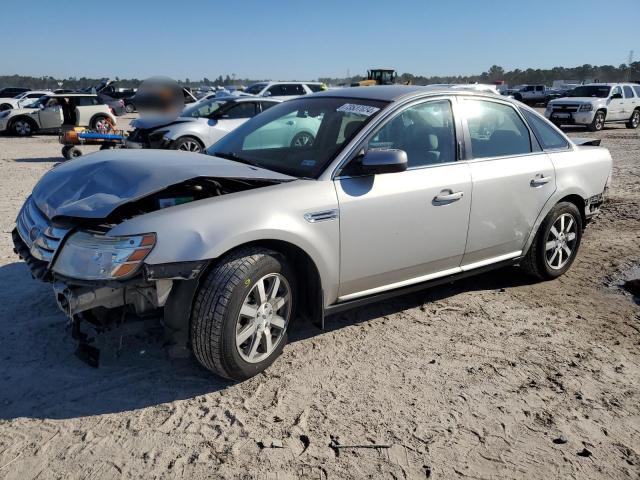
[(199, 126), (403, 187)]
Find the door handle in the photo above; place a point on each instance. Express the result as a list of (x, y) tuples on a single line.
[(539, 180), (447, 196)]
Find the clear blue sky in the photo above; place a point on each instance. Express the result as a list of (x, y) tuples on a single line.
[(300, 39)]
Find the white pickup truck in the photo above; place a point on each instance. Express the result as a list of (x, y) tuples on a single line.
[(595, 104)]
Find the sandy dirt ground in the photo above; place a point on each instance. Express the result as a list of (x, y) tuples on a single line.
[(492, 377)]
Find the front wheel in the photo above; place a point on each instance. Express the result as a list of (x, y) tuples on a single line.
[(188, 144), (556, 244), (598, 122), (22, 127), (129, 108), (302, 140), (634, 121), (102, 123), (241, 313)]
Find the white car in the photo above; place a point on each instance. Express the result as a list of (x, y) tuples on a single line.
[(22, 99), (595, 104), (284, 90), (199, 126), (50, 112)]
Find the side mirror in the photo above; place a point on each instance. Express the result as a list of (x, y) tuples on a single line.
[(375, 162), (616, 95)]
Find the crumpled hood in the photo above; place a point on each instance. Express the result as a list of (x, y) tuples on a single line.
[(94, 185), (160, 121)]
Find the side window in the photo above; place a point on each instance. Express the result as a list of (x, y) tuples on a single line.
[(540, 88), (496, 130), (316, 87), (616, 91), (241, 110), (268, 105), (426, 132), (34, 95), (628, 92), (276, 91), (548, 137), (294, 89), (85, 101), (637, 89)]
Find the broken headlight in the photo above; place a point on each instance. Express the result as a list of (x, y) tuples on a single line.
[(89, 256)]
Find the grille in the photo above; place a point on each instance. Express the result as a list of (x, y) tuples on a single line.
[(565, 108), (38, 233)]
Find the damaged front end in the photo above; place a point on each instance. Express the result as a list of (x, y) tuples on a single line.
[(102, 282)]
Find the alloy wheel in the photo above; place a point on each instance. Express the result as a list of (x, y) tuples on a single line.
[(635, 119), (561, 241), (103, 125), (263, 318), (190, 146), (599, 121), (22, 127), (302, 140)]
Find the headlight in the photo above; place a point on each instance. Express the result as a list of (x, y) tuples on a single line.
[(587, 107), (99, 257)]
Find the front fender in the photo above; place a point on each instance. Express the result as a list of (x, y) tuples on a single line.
[(209, 228)]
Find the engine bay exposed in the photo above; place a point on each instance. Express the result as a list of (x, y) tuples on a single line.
[(179, 194)]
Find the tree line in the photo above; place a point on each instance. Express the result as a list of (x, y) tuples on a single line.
[(602, 73)]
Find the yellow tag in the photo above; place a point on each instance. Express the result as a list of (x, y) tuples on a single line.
[(247, 282)]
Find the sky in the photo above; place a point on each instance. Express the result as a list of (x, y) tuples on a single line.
[(305, 39)]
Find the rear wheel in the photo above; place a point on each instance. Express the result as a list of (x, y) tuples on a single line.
[(101, 123), (634, 121), (556, 243), (188, 144), (241, 313), (23, 127), (70, 151), (129, 108), (598, 122), (302, 140)]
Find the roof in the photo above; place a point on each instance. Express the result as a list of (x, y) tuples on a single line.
[(76, 94), (392, 93)]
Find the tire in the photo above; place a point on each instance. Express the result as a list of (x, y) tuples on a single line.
[(23, 127), (553, 250), (227, 307), (188, 144), (5, 106), (634, 121), (302, 140), (598, 122), (129, 108), (101, 123)]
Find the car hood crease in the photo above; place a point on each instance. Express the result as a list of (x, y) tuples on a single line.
[(93, 186)]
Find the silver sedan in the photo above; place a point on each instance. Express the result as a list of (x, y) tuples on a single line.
[(389, 189)]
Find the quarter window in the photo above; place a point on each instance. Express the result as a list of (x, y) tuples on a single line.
[(495, 129), (426, 132), (548, 137), (628, 92)]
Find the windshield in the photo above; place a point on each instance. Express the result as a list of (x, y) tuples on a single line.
[(591, 91), (20, 95), (255, 89), (204, 108), (299, 137), (39, 103)]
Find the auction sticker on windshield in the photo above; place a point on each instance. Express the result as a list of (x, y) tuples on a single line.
[(365, 110)]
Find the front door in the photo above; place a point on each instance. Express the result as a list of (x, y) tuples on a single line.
[(402, 228), (615, 107), (512, 180), (51, 116)]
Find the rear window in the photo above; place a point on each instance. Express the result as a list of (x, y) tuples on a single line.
[(548, 137), (316, 87)]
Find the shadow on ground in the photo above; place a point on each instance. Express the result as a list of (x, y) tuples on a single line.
[(40, 376), (40, 160)]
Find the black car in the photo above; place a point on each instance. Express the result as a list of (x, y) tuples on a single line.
[(10, 92)]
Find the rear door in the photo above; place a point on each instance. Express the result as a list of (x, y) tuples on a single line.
[(402, 228), (630, 101), (51, 116), (512, 180)]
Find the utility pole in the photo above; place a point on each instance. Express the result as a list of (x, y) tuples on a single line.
[(629, 62)]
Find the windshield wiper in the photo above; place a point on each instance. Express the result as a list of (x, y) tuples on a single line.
[(236, 158)]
